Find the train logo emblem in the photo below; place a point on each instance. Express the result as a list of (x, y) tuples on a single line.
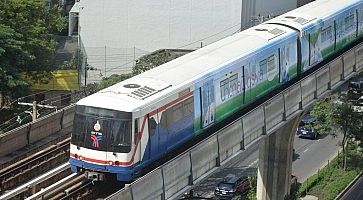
[(97, 126), (96, 136)]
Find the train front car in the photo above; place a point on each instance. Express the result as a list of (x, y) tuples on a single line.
[(101, 142)]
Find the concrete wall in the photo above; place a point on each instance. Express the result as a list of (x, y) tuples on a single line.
[(274, 7), (32, 132)]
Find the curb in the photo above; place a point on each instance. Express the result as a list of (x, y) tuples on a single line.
[(340, 195)]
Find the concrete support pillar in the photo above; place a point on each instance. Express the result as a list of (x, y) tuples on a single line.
[(275, 161)]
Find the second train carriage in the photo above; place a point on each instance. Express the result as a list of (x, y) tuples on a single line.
[(325, 27), (123, 128)]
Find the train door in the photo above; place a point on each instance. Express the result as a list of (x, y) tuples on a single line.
[(153, 137), (162, 132), (247, 78), (208, 103)]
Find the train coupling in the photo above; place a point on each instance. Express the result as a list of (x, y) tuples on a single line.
[(95, 176)]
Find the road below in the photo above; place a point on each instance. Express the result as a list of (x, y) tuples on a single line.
[(310, 155)]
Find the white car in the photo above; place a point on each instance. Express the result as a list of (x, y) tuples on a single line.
[(358, 106)]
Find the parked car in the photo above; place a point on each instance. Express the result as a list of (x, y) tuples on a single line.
[(358, 105), (307, 132), (232, 186), (356, 85), (355, 89), (305, 129), (307, 120)]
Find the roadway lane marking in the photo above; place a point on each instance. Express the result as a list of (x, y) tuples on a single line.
[(305, 150)]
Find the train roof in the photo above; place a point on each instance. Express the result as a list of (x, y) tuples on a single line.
[(179, 74), (307, 15)]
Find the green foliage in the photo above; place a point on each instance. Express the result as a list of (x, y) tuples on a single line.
[(322, 111), (26, 43), (75, 62), (153, 60), (336, 117), (251, 195), (344, 117)]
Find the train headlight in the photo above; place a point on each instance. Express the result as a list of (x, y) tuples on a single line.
[(80, 157)]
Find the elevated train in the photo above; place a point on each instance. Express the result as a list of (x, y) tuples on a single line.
[(122, 129)]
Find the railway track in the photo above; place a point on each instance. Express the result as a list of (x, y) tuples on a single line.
[(33, 165), (76, 186), (73, 186)]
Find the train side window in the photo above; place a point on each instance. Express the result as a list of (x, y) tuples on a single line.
[(164, 118), (263, 69), (224, 86), (188, 106), (178, 112), (349, 22), (152, 126), (326, 34), (233, 84), (271, 64), (136, 130)]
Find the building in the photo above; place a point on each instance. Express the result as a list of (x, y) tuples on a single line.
[(114, 33)]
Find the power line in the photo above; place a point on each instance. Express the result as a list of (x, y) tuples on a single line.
[(31, 95)]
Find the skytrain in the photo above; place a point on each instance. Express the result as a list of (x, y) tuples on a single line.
[(121, 130)]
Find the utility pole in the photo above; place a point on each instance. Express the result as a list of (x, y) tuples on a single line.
[(105, 62), (34, 112)]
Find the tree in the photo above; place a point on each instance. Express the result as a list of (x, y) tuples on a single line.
[(322, 111), (10, 82), (338, 117), (348, 123), (26, 43)]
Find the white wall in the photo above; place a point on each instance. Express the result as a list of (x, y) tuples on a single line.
[(274, 7), (114, 33)]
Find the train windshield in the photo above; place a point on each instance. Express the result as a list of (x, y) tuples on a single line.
[(102, 129)]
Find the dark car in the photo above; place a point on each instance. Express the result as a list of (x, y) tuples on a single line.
[(307, 120), (306, 129), (356, 85), (306, 132), (232, 186)]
